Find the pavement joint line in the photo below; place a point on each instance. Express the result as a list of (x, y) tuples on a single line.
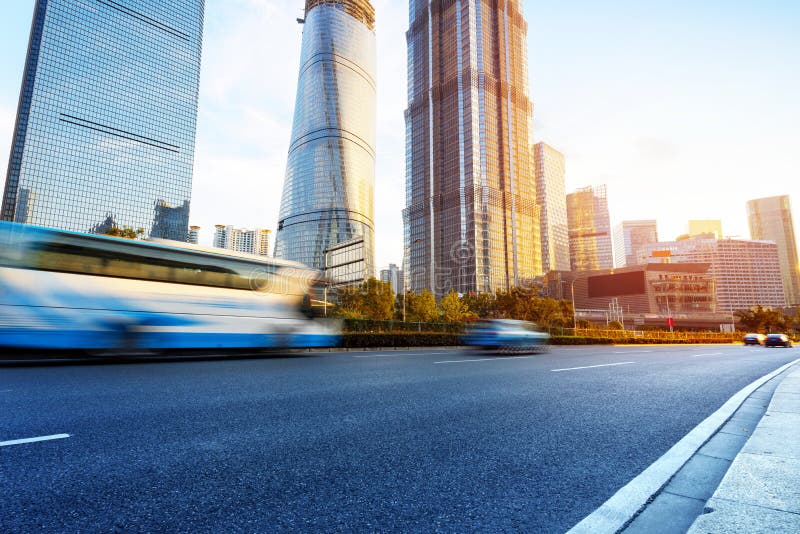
[(33, 440), (622, 507), (496, 359), (754, 505), (590, 366)]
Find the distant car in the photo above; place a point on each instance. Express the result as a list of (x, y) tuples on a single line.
[(507, 336), (754, 339), (778, 340)]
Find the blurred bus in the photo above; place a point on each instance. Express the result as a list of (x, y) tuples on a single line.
[(69, 290)]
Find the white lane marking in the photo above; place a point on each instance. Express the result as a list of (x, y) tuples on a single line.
[(708, 354), (32, 440), (591, 366), (632, 351), (497, 359), (393, 355)]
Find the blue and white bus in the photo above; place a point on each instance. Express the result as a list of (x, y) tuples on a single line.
[(69, 290)]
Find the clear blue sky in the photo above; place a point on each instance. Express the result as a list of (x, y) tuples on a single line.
[(684, 109)]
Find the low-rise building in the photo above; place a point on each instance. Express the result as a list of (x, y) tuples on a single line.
[(250, 241), (746, 273)]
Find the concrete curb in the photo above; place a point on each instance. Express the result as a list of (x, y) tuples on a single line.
[(613, 515), (761, 490)]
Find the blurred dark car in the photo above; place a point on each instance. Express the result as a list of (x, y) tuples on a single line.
[(507, 336), (754, 339), (778, 340)]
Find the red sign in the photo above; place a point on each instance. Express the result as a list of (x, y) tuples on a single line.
[(670, 322)]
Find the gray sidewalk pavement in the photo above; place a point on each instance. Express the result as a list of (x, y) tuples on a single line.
[(761, 490)]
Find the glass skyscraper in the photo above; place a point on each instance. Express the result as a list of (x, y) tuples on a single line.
[(328, 193), (589, 229), (771, 219), (552, 197), (105, 127), (629, 237), (471, 217)]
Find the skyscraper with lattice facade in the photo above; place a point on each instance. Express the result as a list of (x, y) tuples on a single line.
[(471, 218), (328, 192)]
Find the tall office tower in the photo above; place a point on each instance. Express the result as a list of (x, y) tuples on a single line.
[(194, 235), (629, 237), (328, 193), (589, 229), (250, 241), (771, 219), (471, 219), (394, 276), (707, 226), (552, 199), (105, 127), (746, 273)]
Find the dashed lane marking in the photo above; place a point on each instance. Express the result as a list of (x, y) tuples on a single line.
[(591, 366), (32, 440), (497, 359)]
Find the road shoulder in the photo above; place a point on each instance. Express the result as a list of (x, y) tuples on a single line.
[(761, 490)]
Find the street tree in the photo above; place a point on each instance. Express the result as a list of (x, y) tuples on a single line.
[(454, 310), (421, 307)]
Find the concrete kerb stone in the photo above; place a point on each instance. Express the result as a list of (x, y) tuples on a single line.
[(618, 511), (761, 490)]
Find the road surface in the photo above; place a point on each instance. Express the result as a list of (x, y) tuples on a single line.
[(415, 440)]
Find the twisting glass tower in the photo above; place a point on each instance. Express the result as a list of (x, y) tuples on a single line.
[(328, 193), (471, 218)]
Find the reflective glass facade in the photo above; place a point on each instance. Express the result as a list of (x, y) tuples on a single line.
[(590, 246), (552, 197), (471, 217), (629, 237), (106, 121), (771, 219), (328, 193)]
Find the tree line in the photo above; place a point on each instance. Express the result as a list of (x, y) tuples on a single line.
[(375, 300)]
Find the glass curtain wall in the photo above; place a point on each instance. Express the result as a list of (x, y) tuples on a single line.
[(105, 127), (328, 192)]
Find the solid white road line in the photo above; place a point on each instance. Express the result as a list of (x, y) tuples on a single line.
[(634, 496), (496, 359), (708, 354), (32, 440), (591, 366)]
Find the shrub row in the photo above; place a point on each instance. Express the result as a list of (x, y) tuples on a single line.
[(357, 340), (580, 340), (370, 326)]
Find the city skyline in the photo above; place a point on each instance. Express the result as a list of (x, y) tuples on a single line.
[(245, 116)]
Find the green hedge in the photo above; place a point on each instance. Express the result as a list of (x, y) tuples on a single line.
[(355, 340), (393, 327), (579, 340)]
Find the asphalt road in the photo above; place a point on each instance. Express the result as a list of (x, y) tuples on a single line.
[(370, 441)]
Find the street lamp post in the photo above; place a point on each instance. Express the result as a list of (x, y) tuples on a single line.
[(574, 314), (405, 277), (325, 288)]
